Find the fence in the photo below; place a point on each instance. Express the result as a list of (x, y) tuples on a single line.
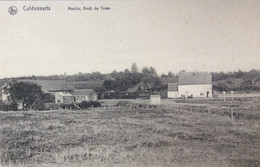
[(209, 109)]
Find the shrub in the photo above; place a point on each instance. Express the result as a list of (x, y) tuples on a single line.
[(88, 104), (53, 106), (122, 103), (83, 105), (13, 106), (68, 106), (38, 104)]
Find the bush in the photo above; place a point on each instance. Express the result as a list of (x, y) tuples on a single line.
[(68, 106), (122, 103), (9, 107), (38, 104), (88, 104), (49, 98), (53, 106), (13, 106), (83, 105)]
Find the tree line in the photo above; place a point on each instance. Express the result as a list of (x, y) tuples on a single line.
[(122, 81), (128, 78), (32, 97), (237, 80)]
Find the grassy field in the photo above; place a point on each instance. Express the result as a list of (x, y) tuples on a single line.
[(133, 137)]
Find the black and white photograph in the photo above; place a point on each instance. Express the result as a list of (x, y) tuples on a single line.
[(129, 83)]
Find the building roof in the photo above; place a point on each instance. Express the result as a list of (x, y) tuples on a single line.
[(141, 85), (59, 85), (87, 84), (51, 85), (194, 78), (64, 94), (172, 86), (83, 91), (166, 80)]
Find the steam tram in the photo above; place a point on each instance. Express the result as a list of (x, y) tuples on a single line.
[(124, 95)]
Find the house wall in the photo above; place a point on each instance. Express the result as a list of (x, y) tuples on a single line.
[(89, 97), (195, 90), (63, 99), (173, 94), (67, 99), (80, 98), (57, 98)]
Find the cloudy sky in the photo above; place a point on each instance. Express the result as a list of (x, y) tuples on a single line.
[(170, 35)]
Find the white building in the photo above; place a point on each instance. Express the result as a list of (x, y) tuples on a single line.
[(191, 84), (155, 99), (82, 95), (195, 84)]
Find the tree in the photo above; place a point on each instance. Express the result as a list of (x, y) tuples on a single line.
[(114, 74), (239, 74), (109, 85), (170, 74), (153, 71), (24, 91), (126, 71), (149, 74), (246, 85), (134, 68), (164, 76), (253, 76), (150, 78)]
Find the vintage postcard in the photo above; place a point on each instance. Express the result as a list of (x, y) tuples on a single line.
[(129, 83)]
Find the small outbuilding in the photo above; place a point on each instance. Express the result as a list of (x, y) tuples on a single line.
[(82, 95), (155, 99)]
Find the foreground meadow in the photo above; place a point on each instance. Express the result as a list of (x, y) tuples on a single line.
[(132, 137)]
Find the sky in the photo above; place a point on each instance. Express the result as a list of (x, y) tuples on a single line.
[(169, 35)]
